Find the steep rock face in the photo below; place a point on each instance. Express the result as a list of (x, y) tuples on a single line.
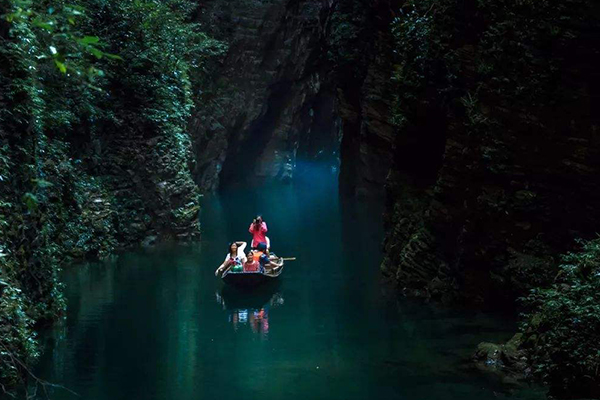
[(271, 101), (154, 195), (496, 164), (361, 42), (300, 80)]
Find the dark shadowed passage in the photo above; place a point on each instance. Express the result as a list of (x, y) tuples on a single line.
[(157, 324)]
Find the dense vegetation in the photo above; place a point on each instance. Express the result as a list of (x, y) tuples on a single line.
[(494, 113), (94, 152), (562, 325)]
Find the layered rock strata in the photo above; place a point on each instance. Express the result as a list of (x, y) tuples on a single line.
[(497, 159), (271, 101)]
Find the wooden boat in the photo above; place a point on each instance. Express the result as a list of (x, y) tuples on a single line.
[(252, 279)]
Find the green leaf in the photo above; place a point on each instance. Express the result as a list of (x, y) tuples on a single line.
[(44, 25), (89, 40), (30, 201), (42, 183), (61, 66), (113, 56), (98, 53)]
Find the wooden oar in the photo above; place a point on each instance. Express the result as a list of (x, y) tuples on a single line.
[(288, 258)]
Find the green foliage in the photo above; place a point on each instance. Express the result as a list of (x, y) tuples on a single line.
[(446, 50), (422, 58), (161, 49), (348, 39), (94, 152), (30, 201), (55, 32), (151, 98), (17, 342), (498, 79), (562, 325)]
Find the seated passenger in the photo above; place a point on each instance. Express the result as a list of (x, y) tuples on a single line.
[(252, 264), (267, 262), (235, 256)]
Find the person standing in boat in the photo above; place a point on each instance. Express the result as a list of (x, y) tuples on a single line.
[(258, 229), (235, 256)]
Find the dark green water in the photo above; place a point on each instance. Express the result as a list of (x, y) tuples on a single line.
[(157, 324)]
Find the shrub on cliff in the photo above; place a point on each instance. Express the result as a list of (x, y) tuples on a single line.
[(562, 327), (41, 65), (17, 339)]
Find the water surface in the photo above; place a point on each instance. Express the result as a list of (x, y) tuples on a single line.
[(157, 324)]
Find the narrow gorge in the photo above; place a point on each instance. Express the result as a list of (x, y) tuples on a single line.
[(476, 122), (301, 80)]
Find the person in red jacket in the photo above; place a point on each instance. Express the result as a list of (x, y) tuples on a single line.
[(258, 229)]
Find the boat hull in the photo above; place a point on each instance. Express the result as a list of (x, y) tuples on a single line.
[(245, 280), (250, 279)]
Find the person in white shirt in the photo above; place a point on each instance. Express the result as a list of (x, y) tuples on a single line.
[(235, 256)]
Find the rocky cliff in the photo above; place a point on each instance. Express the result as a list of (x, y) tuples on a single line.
[(301, 80), (495, 173), (496, 153), (271, 101), (361, 45)]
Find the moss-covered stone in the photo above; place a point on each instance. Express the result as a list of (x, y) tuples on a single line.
[(508, 360)]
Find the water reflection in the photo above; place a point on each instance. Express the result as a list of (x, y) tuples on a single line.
[(251, 310)]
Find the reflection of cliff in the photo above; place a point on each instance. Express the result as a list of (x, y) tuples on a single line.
[(108, 303), (99, 281)]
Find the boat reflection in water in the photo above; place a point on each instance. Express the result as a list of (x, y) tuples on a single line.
[(250, 308)]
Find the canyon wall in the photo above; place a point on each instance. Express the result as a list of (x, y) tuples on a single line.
[(495, 176), (496, 152), (271, 100), (362, 46), (302, 80)]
